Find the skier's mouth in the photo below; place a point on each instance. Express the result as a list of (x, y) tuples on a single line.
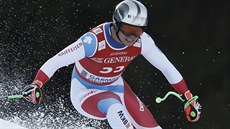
[(130, 40)]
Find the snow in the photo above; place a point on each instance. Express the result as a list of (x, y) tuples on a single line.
[(9, 125), (12, 125)]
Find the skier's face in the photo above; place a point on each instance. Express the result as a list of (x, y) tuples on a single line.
[(129, 34)]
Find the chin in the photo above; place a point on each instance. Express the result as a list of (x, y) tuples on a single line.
[(129, 44), (126, 43)]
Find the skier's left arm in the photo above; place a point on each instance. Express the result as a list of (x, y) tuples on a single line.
[(154, 55)]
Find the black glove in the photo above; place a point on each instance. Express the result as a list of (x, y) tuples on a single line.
[(192, 108), (32, 93)]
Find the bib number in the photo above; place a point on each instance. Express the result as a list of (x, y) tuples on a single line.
[(111, 70)]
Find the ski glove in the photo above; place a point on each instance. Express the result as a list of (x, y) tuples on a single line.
[(192, 108), (32, 93)]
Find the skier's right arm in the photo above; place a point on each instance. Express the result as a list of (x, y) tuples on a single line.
[(85, 46)]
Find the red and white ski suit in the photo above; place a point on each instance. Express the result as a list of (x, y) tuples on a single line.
[(96, 82)]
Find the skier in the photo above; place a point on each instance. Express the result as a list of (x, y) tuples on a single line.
[(100, 56)]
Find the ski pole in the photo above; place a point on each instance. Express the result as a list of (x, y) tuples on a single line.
[(194, 98), (12, 97), (159, 100)]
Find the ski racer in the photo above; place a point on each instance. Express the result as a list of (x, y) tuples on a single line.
[(100, 56)]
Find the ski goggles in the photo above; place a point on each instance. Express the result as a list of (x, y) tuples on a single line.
[(129, 30)]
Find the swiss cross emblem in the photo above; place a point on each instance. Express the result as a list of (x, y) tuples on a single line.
[(87, 39)]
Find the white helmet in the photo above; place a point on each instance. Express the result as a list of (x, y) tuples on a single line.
[(131, 12)]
